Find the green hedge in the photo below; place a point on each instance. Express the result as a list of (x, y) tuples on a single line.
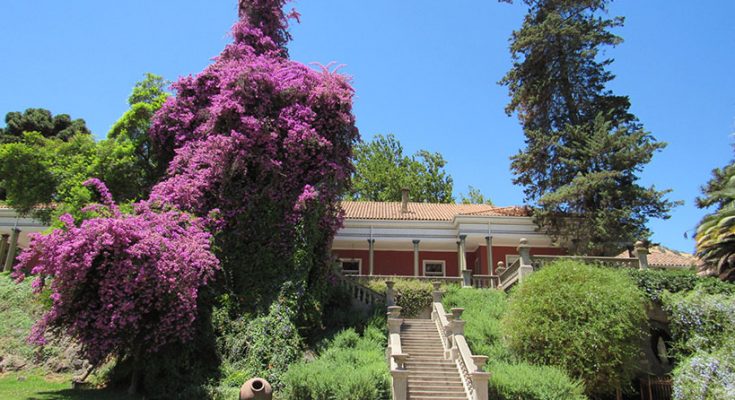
[(510, 379), (350, 368), (655, 282), (585, 319), (412, 295)]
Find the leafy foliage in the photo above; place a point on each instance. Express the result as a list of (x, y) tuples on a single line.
[(585, 319), (42, 121), (382, 171), (716, 232), (474, 196), (121, 284), (130, 135), (656, 282), (707, 375), (511, 379), (700, 320), (584, 149), (351, 367), (412, 295)]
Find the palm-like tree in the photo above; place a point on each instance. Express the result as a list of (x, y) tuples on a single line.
[(716, 232)]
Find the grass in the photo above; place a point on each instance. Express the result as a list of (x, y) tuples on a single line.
[(28, 386)]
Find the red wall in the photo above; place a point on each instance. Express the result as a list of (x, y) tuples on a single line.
[(401, 262)]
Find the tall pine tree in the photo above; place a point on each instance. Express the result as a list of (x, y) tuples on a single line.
[(584, 149)]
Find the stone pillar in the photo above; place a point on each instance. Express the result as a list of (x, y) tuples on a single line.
[(462, 254), (466, 278), (371, 256), (641, 251), (489, 244), (526, 267), (4, 246), (390, 294), (416, 257), (10, 258)]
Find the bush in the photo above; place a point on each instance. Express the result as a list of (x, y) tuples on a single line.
[(655, 282), (707, 375), (483, 310), (350, 368), (412, 295), (524, 381), (587, 320), (510, 380), (700, 321)]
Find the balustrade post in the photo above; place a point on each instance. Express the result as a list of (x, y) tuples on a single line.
[(480, 378), (526, 266), (642, 252), (436, 297), (400, 377), (394, 312), (466, 278), (390, 294)]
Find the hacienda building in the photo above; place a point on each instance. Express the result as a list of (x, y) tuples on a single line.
[(436, 240)]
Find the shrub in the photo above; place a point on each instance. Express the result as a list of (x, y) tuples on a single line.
[(700, 321), (510, 380), (524, 381), (655, 282), (350, 368), (707, 375), (483, 310), (412, 295), (587, 320)]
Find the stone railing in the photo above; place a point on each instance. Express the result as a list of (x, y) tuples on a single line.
[(361, 295), (451, 330), (398, 371), (539, 262), (446, 279)]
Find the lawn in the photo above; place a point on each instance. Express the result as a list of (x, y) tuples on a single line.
[(22, 386)]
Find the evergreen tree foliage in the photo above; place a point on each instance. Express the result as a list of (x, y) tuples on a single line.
[(42, 121), (382, 171), (474, 196), (584, 149)]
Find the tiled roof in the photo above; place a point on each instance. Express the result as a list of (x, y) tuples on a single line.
[(425, 211), (660, 256)]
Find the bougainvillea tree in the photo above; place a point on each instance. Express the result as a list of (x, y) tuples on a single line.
[(121, 285), (256, 136)]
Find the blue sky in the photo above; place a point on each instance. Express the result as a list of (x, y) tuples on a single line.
[(424, 70)]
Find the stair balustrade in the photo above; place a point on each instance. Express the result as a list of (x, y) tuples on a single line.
[(451, 330), (398, 370)]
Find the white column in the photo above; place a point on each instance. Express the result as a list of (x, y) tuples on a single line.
[(416, 257), (489, 244), (462, 254), (371, 248)]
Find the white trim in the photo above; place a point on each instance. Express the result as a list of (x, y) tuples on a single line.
[(359, 265), (442, 262)]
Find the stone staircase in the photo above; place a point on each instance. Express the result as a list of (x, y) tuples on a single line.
[(430, 376)]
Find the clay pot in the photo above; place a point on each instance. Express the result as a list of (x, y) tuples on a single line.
[(256, 388)]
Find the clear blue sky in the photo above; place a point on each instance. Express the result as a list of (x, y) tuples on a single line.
[(423, 70)]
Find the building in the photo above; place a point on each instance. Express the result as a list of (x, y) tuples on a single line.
[(426, 239)]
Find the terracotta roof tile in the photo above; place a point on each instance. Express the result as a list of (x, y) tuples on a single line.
[(424, 211), (660, 256)]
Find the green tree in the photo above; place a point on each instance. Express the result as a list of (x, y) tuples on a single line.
[(584, 149), (43, 176), (382, 171), (128, 138), (474, 196), (716, 232), (42, 121)]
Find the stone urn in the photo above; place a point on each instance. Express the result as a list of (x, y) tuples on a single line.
[(256, 388)]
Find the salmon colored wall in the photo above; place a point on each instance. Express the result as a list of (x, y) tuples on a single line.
[(401, 262)]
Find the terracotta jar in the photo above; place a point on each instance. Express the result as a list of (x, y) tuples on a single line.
[(256, 388)]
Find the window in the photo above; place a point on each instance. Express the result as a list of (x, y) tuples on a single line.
[(433, 268), (350, 266)]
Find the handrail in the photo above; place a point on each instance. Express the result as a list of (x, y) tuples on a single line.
[(389, 277), (626, 262), (359, 292), (451, 330), (508, 276), (397, 362)]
